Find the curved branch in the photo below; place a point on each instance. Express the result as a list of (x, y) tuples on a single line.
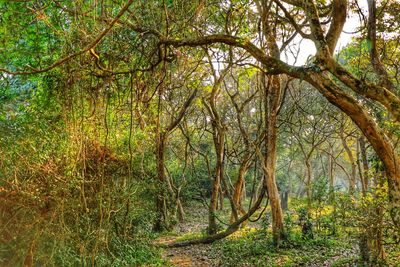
[(369, 90), (272, 65), (182, 111)]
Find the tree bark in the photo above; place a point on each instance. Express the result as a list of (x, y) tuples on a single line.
[(239, 186), (161, 222), (219, 141), (352, 180), (331, 176), (308, 182), (365, 167), (272, 102)]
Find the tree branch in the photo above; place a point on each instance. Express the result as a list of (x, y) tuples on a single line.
[(339, 12), (182, 112), (373, 52)]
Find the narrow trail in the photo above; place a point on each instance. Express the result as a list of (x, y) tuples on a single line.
[(196, 255), (190, 256), (207, 255)]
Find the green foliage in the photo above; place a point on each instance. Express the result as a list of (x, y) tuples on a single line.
[(64, 199), (78, 143), (255, 250)]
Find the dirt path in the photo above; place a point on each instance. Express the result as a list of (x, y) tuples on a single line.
[(206, 255), (197, 255), (191, 256)]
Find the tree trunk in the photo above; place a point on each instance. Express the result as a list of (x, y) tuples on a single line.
[(285, 200), (332, 194), (212, 223), (221, 196), (365, 169), (244, 193), (308, 183), (179, 207), (272, 100), (238, 188), (331, 177), (352, 180), (219, 141), (272, 189), (161, 222)]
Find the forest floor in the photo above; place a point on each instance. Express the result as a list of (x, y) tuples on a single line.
[(196, 255), (190, 256), (252, 246)]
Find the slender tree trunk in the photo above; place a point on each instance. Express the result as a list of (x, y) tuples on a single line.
[(179, 207), (221, 197), (352, 180), (219, 141), (161, 205), (212, 222), (219, 146), (273, 194), (360, 170), (374, 231), (308, 182), (259, 187), (285, 200), (244, 193), (239, 186), (331, 177), (272, 100), (365, 169), (286, 194), (332, 194), (166, 188)]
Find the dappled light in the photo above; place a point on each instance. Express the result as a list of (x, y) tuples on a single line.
[(199, 133)]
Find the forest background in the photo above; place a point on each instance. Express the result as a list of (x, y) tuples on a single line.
[(131, 128)]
